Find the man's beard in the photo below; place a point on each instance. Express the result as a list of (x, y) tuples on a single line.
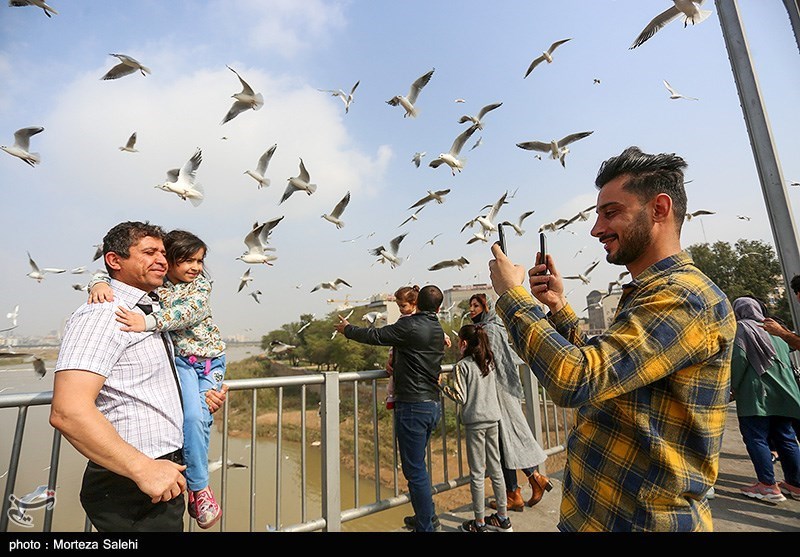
[(636, 242)]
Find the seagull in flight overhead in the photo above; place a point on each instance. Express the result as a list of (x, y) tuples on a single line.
[(335, 216), (261, 168), (700, 213), (129, 146), (460, 262), (126, 66), (688, 9), (255, 294), (13, 316), (584, 276), (347, 98), (614, 283), (518, 226), (245, 99), (581, 216), (408, 101), (437, 196), (183, 183), (673, 94), (557, 149), (743, 217), (256, 242), (487, 221), (36, 3), (390, 254), (432, 240), (411, 217), (477, 120), (547, 56), (417, 158), (21, 145), (332, 285), (373, 316), (244, 280), (298, 183), (451, 157), (278, 347), (553, 226), (38, 274)]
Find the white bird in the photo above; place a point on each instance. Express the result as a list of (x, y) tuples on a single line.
[(256, 242), (518, 226), (547, 56), (246, 99), (38, 274), (331, 285), (36, 3), (451, 157), (183, 184), (13, 315), (700, 213), (487, 221), (553, 226), (584, 276), (557, 149), (126, 66), (412, 216), (408, 101), (477, 143), (217, 464), (98, 252), (261, 168), (477, 120), (437, 196), (417, 158), (336, 214), (793, 183), (673, 94), (129, 146), (333, 335), (305, 325), (614, 283), (347, 98), (278, 347), (298, 183), (79, 270), (581, 216), (743, 217), (21, 145), (691, 14), (478, 237), (431, 241), (460, 262), (255, 295), (459, 101), (390, 254), (244, 280), (373, 317)]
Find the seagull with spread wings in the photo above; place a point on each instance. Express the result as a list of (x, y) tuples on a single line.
[(460, 262), (244, 280), (331, 285), (245, 99), (411, 217), (518, 226), (558, 149), (673, 94), (129, 147), (336, 214), (256, 242), (688, 9), (126, 66), (261, 168), (700, 213), (477, 120), (22, 138), (37, 274), (301, 182), (437, 196), (547, 56), (183, 182), (417, 158), (347, 98), (584, 276), (35, 3), (451, 157), (390, 254), (408, 101)]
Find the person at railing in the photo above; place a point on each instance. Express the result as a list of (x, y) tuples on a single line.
[(652, 390), (519, 449), (418, 342)]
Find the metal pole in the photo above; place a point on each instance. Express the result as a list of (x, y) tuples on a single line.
[(793, 7), (773, 185), (331, 489)]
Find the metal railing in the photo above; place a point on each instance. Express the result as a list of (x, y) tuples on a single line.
[(547, 422)]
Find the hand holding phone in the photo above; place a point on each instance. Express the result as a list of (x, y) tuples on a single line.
[(502, 240), (542, 251)]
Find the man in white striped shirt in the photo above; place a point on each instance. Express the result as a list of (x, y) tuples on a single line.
[(117, 399)]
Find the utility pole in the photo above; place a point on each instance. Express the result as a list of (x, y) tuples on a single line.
[(793, 7), (770, 175)]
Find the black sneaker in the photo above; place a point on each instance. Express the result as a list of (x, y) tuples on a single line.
[(411, 521), (472, 526), (498, 524)]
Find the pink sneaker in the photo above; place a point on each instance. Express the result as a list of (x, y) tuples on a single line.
[(764, 492), (790, 490), (208, 511)]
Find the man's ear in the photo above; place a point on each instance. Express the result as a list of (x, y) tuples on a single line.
[(662, 207), (112, 259)]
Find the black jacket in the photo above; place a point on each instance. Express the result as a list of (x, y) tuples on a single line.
[(418, 342)]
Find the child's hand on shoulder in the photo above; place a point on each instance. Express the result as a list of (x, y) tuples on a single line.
[(101, 292), (131, 321)]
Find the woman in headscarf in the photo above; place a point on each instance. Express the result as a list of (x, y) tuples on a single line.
[(767, 399), (518, 447)]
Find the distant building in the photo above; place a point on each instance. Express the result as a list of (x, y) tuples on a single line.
[(601, 309)]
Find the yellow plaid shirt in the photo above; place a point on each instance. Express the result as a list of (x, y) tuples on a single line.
[(651, 394)]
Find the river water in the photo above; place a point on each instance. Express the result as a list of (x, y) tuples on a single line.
[(68, 515)]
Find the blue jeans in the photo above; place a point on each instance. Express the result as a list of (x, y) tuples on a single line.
[(197, 378), (755, 432), (414, 424)]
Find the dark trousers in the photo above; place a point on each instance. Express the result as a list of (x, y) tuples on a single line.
[(510, 475), (115, 503)]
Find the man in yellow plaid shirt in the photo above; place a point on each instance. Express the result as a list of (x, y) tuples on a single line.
[(651, 392)]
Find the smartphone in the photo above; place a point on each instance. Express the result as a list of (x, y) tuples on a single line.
[(542, 250), (502, 238)]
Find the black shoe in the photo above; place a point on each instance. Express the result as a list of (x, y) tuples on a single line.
[(411, 521), (472, 526)]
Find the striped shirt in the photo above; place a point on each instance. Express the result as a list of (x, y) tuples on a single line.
[(140, 396), (651, 394)]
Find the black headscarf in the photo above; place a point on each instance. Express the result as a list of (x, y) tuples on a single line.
[(750, 336)]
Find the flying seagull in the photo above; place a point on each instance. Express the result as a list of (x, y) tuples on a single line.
[(581, 216), (437, 196), (35, 3), (278, 347), (335, 216), (557, 149), (298, 183), (255, 295), (245, 99), (584, 276), (126, 66), (700, 213), (743, 217), (487, 221), (347, 98), (256, 242), (332, 285), (553, 226), (261, 168), (21, 145), (460, 262), (408, 101), (38, 274), (547, 56), (673, 94), (373, 316), (477, 143), (451, 157), (183, 182), (518, 226), (412, 217), (13, 315), (244, 279), (417, 158), (217, 464), (390, 254), (691, 14), (432, 240), (477, 120), (129, 146)]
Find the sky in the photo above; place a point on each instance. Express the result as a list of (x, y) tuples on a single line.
[(289, 50)]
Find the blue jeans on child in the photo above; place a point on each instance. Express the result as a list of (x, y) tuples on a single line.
[(755, 430), (414, 423), (197, 375)]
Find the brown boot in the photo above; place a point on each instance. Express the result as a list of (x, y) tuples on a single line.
[(539, 484), (515, 502)]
